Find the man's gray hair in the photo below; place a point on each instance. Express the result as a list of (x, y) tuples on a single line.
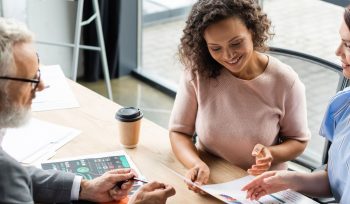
[(11, 32)]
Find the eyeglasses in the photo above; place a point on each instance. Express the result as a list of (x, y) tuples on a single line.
[(34, 82)]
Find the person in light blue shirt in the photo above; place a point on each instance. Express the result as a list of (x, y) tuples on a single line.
[(336, 128), (335, 180)]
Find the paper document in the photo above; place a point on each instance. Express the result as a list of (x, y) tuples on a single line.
[(92, 166), (36, 140), (58, 95), (230, 192)]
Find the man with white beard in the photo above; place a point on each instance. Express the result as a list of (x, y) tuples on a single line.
[(19, 81)]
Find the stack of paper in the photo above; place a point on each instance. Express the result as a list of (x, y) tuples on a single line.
[(58, 95), (36, 140)]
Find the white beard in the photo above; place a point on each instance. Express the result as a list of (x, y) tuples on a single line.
[(11, 115)]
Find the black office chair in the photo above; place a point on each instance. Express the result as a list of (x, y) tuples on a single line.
[(322, 79)]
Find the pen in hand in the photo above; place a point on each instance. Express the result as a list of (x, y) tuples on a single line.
[(120, 183)]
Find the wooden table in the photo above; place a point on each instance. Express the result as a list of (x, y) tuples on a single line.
[(95, 117)]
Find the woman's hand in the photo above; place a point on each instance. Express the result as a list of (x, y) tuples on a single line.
[(263, 160), (199, 174), (267, 183)]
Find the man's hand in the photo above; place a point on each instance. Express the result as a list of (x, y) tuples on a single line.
[(199, 174), (102, 189), (263, 160), (152, 193)]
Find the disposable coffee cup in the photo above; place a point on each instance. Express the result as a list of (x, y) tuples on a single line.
[(129, 124)]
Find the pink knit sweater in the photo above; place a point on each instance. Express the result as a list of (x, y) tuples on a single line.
[(232, 115)]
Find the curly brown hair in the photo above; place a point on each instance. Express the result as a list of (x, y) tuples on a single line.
[(193, 51)]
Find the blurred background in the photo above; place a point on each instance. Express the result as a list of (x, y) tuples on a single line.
[(141, 39)]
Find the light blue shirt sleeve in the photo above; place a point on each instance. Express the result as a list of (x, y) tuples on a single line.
[(346, 194), (334, 113), (75, 188)]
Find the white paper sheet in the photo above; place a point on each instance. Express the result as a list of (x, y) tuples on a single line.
[(230, 192), (36, 140), (58, 95)]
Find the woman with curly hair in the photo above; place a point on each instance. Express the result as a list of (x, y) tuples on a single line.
[(245, 106)]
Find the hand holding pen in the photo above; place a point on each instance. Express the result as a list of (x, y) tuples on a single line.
[(120, 183), (102, 189), (115, 185), (153, 192)]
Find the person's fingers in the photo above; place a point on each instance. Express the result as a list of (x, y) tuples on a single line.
[(255, 172), (202, 192), (259, 179), (259, 168), (192, 174), (265, 159), (169, 191), (254, 195), (118, 194), (198, 175), (264, 166), (196, 190), (119, 171), (117, 175), (258, 195), (271, 180), (189, 187), (127, 185), (249, 186), (193, 188), (153, 185), (257, 150), (250, 192), (134, 172), (258, 192), (122, 177), (202, 177)]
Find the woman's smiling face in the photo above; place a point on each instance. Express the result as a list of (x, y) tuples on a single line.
[(343, 50), (230, 43)]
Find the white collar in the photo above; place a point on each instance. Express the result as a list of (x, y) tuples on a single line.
[(2, 134)]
